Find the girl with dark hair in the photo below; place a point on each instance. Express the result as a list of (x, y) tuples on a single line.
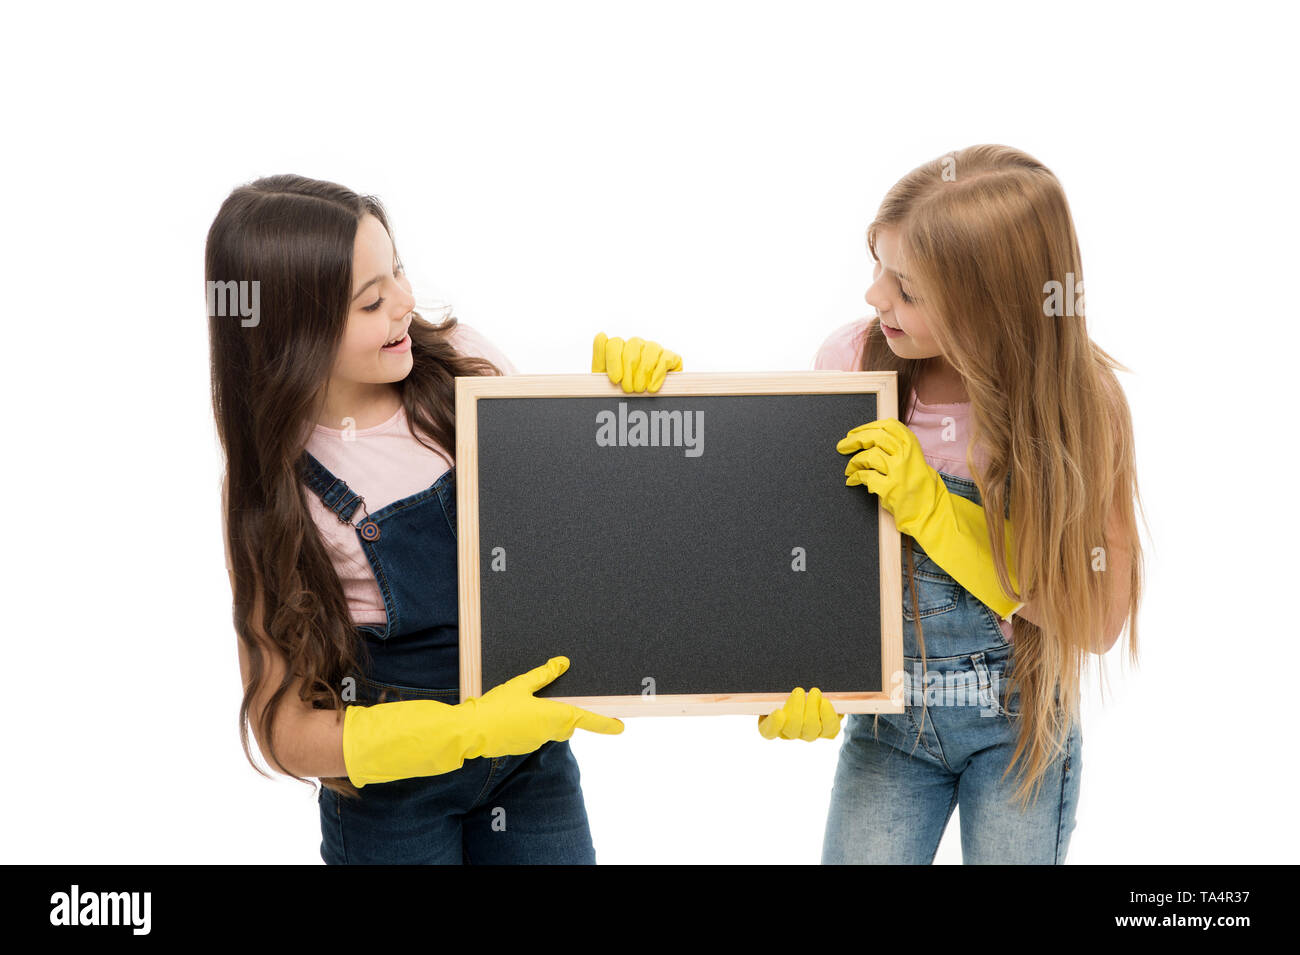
[(334, 405)]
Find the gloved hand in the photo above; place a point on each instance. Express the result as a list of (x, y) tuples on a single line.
[(951, 529), (409, 738), (635, 363), (803, 717)]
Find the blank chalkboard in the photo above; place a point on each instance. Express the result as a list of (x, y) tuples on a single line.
[(694, 550)]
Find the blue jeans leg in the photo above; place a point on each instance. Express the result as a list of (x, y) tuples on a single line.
[(890, 803), (406, 822), (893, 797), (532, 814), (500, 810), (993, 829)]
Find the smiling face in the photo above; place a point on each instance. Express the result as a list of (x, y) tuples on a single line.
[(376, 348), (892, 296)]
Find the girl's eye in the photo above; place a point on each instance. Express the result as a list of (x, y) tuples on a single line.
[(398, 270), (906, 298)]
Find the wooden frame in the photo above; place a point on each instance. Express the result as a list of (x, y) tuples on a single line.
[(470, 389)]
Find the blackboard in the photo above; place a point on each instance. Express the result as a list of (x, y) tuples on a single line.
[(690, 551)]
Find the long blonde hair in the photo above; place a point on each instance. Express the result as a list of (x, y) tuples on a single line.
[(982, 233)]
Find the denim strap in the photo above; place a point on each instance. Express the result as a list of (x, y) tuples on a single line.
[(333, 492)]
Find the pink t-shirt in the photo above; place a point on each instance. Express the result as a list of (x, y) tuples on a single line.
[(383, 464), (942, 429)]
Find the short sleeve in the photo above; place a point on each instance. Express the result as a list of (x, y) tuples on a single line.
[(842, 350), (468, 341)]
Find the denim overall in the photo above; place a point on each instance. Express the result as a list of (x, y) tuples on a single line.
[(893, 796), (495, 810)]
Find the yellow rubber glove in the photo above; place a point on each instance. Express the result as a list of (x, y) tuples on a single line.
[(635, 363), (807, 717), (949, 528), (409, 738)]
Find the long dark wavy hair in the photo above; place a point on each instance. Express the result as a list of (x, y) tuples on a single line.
[(295, 237)]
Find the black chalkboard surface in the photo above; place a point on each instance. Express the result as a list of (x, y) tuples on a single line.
[(690, 551)]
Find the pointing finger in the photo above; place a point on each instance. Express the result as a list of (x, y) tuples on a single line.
[(596, 723)]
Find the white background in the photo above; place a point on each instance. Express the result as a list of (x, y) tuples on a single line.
[(701, 174)]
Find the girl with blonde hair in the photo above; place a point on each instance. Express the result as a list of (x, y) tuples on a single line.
[(1012, 478)]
